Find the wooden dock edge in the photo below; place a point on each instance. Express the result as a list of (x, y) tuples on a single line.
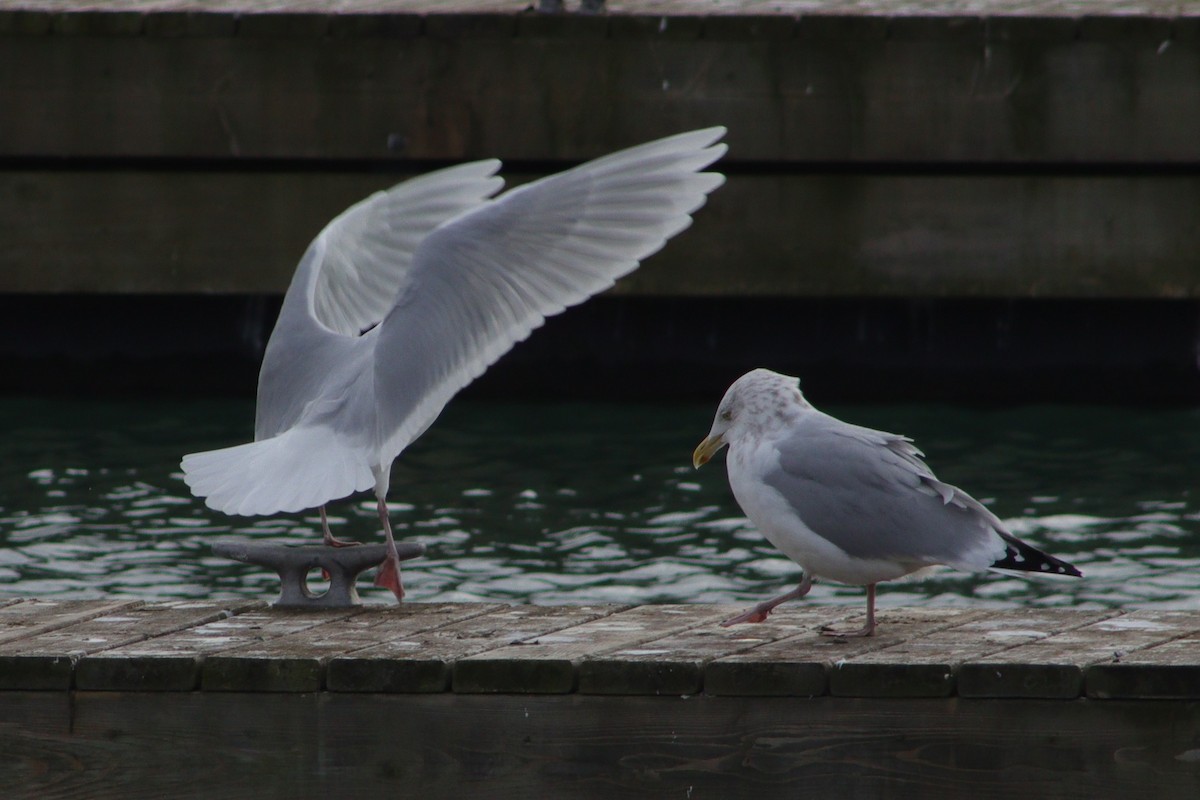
[(130, 699), (226, 744)]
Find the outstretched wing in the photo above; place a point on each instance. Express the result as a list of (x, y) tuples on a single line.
[(485, 280), (348, 280), (309, 448), (369, 247)]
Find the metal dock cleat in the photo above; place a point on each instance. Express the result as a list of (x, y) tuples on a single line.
[(342, 564)]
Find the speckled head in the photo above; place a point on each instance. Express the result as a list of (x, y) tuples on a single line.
[(759, 401), (760, 393)]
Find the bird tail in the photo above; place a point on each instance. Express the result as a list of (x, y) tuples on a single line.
[(1027, 558), (298, 469)]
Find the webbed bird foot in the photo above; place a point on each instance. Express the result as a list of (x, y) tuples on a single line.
[(327, 535), (388, 576), (761, 611), (866, 630), (756, 614)]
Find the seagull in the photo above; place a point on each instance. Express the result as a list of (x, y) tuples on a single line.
[(409, 295), (848, 503)]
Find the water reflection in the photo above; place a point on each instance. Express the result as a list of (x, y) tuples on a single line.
[(591, 503)]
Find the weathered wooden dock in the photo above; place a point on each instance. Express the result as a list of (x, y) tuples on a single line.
[(235, 699), (881, 148)]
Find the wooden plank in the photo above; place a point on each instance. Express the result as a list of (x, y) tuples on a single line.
[(924, 666), (1040, 653), (134, 745), (1005, 632), (173, 662), (578, 26), (23, 22), (424, 662), (35, 727), (454, 25), (296, 661), (801, 665), (923, 90), (290, 24), (391, 26), (33, 617), (26, 621), (797, 665), (675, 664), (548, 664), (1168, 670), (129, 625), (1055, 666), (760, 235), (115, 24), (174, 24), (657, 28), (737, 27), (887, 8), (51, 659), (275, 663), (371, 672), (37, 672)]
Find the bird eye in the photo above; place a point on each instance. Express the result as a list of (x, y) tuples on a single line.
[(727, 415)]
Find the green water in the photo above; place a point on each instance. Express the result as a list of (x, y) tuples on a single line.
[(581, 503)]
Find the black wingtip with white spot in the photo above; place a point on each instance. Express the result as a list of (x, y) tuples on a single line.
[(1026, 558)]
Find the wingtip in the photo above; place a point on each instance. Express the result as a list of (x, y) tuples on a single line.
[(1023, 557), (708, 139), (713, 133)]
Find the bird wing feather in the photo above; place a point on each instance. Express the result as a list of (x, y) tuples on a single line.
[(870, 494), (368, 248), (483, 281), (453, 281), (346, 282), (303, 467)]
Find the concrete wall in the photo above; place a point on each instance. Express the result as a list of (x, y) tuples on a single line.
[(873, 152)]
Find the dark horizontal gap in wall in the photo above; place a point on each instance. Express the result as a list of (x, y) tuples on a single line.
[(730, 166), (989, 351)]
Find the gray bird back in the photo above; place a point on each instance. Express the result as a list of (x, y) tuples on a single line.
[(870, 493)]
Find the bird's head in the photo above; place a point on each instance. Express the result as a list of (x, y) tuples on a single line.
[(753, 403)]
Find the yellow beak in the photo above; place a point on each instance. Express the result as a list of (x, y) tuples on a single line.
[(706, 450)]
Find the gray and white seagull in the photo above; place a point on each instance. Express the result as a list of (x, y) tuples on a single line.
[(408, 296), (848, 503)]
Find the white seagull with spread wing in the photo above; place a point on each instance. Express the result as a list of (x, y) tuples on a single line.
[(408, 296)]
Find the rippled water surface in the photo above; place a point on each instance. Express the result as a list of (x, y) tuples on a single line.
[(584, 503)]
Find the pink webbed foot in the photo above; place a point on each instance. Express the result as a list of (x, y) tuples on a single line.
[(761, 611), (333, 541), (329, 539), (327, 536), (756, 614), (388, 576)]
